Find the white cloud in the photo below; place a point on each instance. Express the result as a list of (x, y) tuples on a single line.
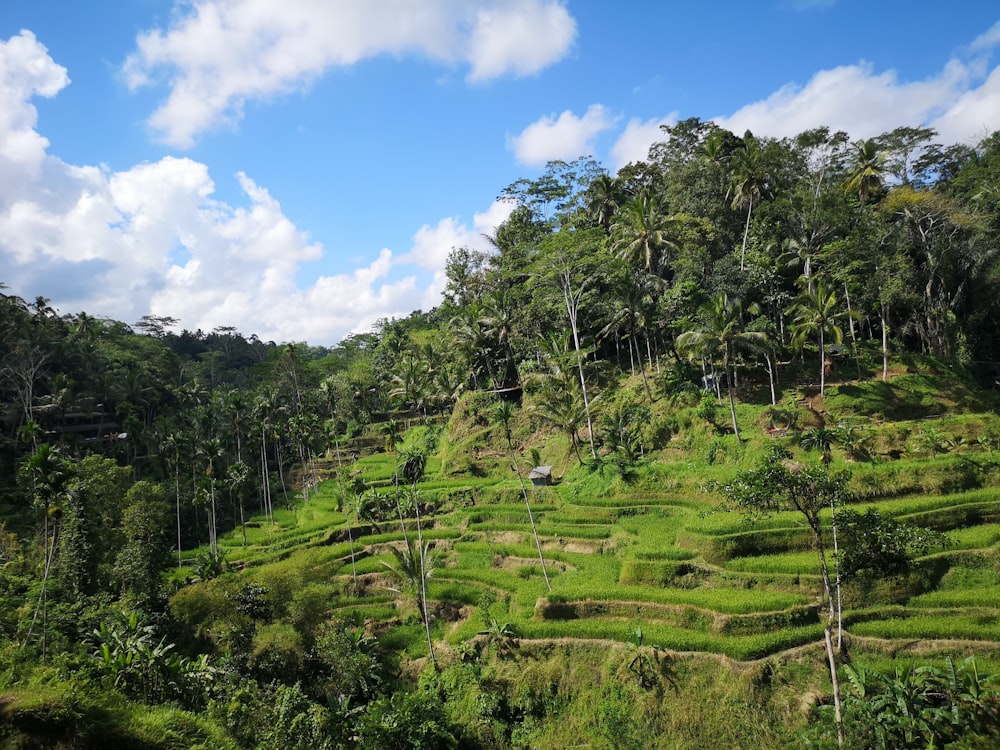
[(26, 70), (154, 239), (521, 36), (564, 137), (973, 115), (987, 40), (431, 245), (634, 142), (221, 54), (865, 103)]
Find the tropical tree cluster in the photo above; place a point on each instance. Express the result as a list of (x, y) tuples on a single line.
[(734, 263)]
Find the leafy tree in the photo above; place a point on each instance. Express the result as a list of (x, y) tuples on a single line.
[(750, 182), (816, 313), (504, 413), (405, 721), (943, 243), (641, 231), (777, 484), (922, 707), (719, 338), (147, 550), (874, 546), (867, 170)]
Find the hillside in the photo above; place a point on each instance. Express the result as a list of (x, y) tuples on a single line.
[(757, 378), (672, 621)]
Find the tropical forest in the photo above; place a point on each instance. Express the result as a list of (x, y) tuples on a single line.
[(703, 453)]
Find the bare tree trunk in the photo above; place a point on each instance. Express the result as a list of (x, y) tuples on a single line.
[(854, 338), (885, 343), (771, 377), (177, 488), (835, 684), (746, 235)]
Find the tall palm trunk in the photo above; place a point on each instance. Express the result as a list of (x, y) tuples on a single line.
[(746, 236), (177, 489), (571, 311), (732, 401), (822, 361), (524, 493), (885, 342)]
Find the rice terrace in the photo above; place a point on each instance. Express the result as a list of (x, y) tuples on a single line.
[(700, 453)]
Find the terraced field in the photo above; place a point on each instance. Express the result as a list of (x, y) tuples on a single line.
[(693, 575)]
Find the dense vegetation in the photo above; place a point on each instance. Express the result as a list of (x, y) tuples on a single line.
[(763, 374)]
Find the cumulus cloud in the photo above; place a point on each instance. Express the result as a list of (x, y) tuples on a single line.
[(988, 39), (26, 70), (220, 54), (431, 245), (864, 103), (520, 37), (153, 239), (564, 137), (634, 142)]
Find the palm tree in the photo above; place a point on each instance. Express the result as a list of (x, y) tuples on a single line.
[(632, 294), (750, 182), (605, 196), (415, 567), (642, 231), (174, 442), (801, 249), (816, 313), (504, 412), (49, 478), (500, 316), (720, 337), (559, 401), (822, 439), (263, 411), (866, 173), (413, 466), (571, 268), (211, 449)]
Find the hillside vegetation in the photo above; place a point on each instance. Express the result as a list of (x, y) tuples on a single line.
[(706, 453)]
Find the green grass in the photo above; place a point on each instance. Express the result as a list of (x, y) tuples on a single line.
[(975, 537), (679, 639), (940, 625), (790, 562), (971, 597)]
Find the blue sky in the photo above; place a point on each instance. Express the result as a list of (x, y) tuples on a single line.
[(300, 169)]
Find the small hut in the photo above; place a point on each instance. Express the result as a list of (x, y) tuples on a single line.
[(541, 476)]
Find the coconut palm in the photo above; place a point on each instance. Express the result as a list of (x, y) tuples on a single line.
[(210, 450), (749, 183), (816, 313), (559, 400), (642, 231), (719, 338), (414, 567), (822, 439), (503, 413), (605, 196), (49, 480), (867, 170), (632, 295)]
